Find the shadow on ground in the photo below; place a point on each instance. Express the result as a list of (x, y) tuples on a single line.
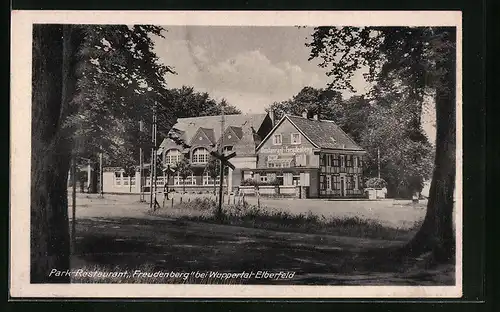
[(170, 245)]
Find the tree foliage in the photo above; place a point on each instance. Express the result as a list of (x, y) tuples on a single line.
[(186, 102), (417, 61), (120, 79), (183, 169), (213, 170)]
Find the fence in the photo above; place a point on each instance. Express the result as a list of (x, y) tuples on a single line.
[(271, 191)]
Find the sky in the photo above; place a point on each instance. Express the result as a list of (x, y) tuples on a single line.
[(250, 66)]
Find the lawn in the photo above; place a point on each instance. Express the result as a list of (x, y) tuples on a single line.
[(117, 233)]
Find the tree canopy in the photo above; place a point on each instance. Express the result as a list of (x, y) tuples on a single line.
[(120, 78), (415, 61)]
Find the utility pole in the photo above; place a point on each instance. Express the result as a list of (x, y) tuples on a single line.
[(221, 149), (100, 174), (73, 203), (141, 196), (155, 174), (151, 161), (378, 161)]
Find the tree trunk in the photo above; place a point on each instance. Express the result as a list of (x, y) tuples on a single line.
[(437, 231), (50, 159), (94, 179), (53, 83)]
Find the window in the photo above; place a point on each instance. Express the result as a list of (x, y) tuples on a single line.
[(336, 182), (356, 161), (301, 160), (323, 160), (227, 149), (279, 163), (118, 178), (172, 156), (295, 138), (322, 184), (349, 160), (280, 179), (328, 182), (263, 178), (335, 160), (208, 180), (277, 139), (190, 180), (342, 160), (296, 180), (200, 155), (349, 182)]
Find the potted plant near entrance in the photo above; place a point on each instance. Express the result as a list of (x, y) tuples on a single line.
[(376, 188)]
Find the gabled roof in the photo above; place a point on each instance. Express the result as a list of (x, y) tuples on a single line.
[(209, 133), (241, 125), (325, 133), (321, 133), (238, 131)]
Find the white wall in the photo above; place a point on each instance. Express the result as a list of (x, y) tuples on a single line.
[(109, 185)]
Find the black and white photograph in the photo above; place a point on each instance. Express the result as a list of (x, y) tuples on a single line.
[(160, 153)]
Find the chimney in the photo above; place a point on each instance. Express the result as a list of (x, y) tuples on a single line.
[(304, 113), (271, 115), (315, 117)]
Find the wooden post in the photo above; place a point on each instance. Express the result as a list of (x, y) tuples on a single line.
[(378, 161), (258, 197), (172, 202), (89, 173), (73, 202)]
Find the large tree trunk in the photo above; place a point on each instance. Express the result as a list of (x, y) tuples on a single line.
[(437, 231), (51, 152), (50, 159)]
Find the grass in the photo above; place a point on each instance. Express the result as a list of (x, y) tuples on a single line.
[(204, 210)]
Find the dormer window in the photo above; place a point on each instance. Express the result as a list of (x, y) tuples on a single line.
[(227, 149), (295, 138), (277, 140), (200, 156), (172, 156)]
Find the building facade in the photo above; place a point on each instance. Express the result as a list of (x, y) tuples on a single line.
[(238, 133), (296, 156), (314, 154)]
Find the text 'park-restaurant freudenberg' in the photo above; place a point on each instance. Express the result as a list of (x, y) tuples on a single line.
[(306, 157)]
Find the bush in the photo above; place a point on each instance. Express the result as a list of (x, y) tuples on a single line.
[(198, 204), (376, 183)]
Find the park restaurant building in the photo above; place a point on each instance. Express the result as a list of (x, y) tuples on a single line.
[(302, 157)]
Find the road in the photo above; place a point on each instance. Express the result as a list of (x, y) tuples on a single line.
[(392, 213)]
